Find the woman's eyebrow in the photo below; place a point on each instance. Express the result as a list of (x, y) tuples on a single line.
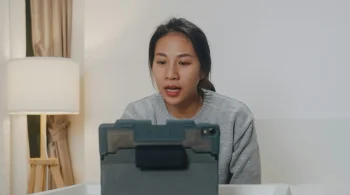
[(161, 54), (185, 55), (180, 55)]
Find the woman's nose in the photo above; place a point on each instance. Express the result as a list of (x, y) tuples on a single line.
[(171, 73)]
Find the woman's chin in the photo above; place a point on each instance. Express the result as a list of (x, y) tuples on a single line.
[(171, 100)]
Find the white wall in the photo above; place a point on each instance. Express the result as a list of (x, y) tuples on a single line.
[(76, 130), (4, 130), (308, 150), (287, 60), (19, 153)]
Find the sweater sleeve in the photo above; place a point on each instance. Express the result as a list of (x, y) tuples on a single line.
[(245, 162)]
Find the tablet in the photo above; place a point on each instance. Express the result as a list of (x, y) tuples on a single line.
[(140, 158)]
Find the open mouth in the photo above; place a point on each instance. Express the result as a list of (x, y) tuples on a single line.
[(172, 90)]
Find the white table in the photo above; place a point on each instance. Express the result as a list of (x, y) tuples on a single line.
[(265, 189), (94, 189)]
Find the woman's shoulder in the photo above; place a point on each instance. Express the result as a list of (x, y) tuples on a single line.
[(141, 108), (146, 101), (222, 103)]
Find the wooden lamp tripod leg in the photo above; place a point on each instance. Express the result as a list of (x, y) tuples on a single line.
[(39, 173)]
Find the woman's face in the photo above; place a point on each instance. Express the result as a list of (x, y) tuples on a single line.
[(176, 69)]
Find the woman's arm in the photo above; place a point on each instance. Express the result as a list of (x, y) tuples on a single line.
[(245, 163)]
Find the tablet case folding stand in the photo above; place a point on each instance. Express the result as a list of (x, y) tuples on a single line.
[(177, 158)]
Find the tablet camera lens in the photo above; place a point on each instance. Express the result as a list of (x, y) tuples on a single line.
[(209, 132)]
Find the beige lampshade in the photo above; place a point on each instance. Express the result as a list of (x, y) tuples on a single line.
[(43, 85)]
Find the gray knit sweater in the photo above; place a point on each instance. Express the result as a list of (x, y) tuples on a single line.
[(239, 159)]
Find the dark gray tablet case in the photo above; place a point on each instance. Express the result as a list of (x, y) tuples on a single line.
[(178, 158)]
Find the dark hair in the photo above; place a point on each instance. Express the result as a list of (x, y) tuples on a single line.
[(199, 42)]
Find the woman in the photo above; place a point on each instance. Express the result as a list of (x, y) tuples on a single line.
[(180, 64)]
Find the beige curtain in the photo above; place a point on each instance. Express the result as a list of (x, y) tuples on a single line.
[(51, 36)]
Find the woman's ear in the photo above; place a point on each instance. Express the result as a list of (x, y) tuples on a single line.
[(154, 83), (201, 76)]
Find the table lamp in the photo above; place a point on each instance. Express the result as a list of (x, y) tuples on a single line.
[(37, 86)]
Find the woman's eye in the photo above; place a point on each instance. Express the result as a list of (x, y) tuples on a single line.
[(161, 62), (184, 63)]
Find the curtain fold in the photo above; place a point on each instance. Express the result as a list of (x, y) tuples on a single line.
[(51, 27), (51, 36), (58, 145)]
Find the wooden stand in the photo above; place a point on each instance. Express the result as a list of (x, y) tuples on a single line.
[(39, 166), (38, 173)]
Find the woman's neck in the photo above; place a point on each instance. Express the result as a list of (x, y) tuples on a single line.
[(186, 110)]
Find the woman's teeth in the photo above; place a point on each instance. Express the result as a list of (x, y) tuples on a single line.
[(173, 89)]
